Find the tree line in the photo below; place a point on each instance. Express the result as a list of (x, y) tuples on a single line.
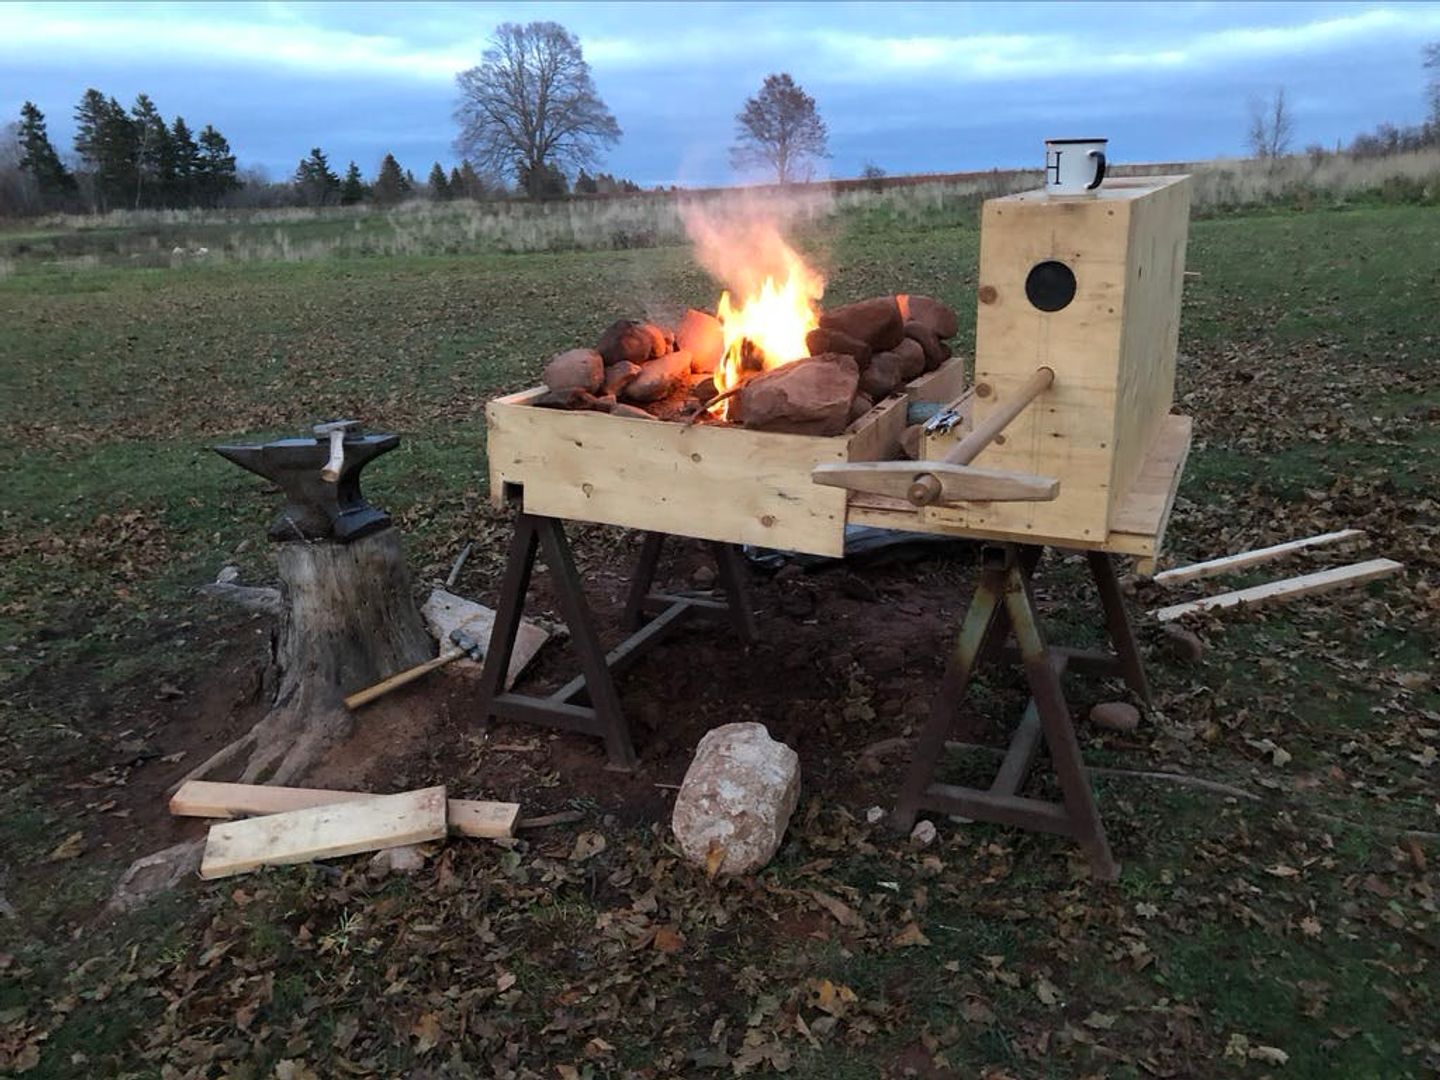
[(124, 159)]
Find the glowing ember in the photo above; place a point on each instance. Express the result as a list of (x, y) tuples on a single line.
[(768, 327)]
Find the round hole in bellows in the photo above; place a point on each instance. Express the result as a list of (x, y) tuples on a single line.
[(1050, 285)]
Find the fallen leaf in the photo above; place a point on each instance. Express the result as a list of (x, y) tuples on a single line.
[(714, 857), (669, 940), (1099, 1021), (290, 1069), (1282, 871), (426, 1032), (1271, 1055), (68, 848), (587, 845), (505, 981), (842, 912), (1310, 926), (911, 935), (1046, 991)]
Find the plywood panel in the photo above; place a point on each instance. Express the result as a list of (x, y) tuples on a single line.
[(705, 481)]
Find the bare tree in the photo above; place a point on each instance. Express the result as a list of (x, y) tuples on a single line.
[(1432, 85), (779, 129), (531, 108), (1272, 126)]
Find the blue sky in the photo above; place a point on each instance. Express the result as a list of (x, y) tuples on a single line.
[(912, 87)]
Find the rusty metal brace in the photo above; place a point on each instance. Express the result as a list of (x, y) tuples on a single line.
[(1003, 605), (589, 702)]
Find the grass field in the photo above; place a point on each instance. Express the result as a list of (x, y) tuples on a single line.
[(1301, 926)]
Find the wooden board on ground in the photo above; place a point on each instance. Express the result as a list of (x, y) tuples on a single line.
[(1228, 564), (208, 798), (1305, 585), (322, 832), (444, 611)]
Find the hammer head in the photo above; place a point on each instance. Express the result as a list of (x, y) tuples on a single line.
[(466, 644)]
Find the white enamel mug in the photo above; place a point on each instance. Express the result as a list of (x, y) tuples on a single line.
[(1074, 166)]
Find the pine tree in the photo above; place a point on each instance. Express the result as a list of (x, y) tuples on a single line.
[(438, 185), (151, 152), (38, 157), (457, 184), (318, 185), (216, 173), (585, 184), (471, 183), (390, 182), (105, 139), (352, 188), (409, 186), (182, 165)]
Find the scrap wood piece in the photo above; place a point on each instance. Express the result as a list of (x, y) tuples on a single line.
[(207, 798), (1304, 585), (1230, 563), (444, 611), (322, 832)]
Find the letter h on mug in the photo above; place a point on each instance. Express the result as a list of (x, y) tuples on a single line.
[(1074, 166)]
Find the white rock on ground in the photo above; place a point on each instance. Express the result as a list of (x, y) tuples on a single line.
[(736, 799)]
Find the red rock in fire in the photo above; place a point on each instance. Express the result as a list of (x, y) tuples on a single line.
[(860, 404), (660, 341), (807, 397), (876, 321), (618, 376), (576, 367), (572, 397), (659, 378), (625, 339), (880, 379), (702, 336), (821, 340), (936, 351), (912, 359), (630, 411), (929, 312)]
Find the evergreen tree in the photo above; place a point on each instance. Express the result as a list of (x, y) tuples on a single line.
[(438, 185), (585, 184), (457, 184), (152, 153), (545, 181), (181, 165), (470, 181), (352, 188), (38, 158), (105, 139), (317, 184), (215, 175), (409, 186), (390, 182)]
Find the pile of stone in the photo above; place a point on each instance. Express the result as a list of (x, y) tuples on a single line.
[(859, 355)]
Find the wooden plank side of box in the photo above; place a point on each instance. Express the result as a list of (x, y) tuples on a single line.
[(705, 481)]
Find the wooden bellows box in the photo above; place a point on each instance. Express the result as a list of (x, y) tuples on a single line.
[(1089, 287)]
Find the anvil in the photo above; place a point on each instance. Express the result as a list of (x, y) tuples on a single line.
[(316, 508)]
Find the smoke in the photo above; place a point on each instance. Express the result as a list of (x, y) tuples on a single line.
[(740, 238)]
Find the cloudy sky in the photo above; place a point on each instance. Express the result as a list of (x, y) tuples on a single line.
[(912, 87)]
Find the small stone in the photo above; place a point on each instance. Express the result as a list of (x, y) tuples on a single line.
[(876, 321), (1115, 716), (929, 312), (619, 376), (936, 351), (573, 398), (151, 875), (581, 368), (821, 340), (912, 359), (860, 404), (631, 411), (660, 341), (1183, 644), (703, 390), (911, 441), (807, 397), (701, 335), (736, 800), (625, 339), (406, 859), (658, 378), (703, 577), (923, 834), (879, 380), (874, 815)]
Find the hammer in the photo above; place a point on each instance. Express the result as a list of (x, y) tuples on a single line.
[(336, 430), (465, 645)]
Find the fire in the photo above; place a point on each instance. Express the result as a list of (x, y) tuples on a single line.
[(767, 328)]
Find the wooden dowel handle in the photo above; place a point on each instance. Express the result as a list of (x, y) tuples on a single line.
[(394, 682), (926, 488)]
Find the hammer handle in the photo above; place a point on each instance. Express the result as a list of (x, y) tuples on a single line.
[(926, 488), (409, 675)]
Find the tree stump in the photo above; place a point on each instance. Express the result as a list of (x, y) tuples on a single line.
[(347, 620)]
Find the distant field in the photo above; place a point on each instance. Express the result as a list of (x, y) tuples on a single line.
[(1311, 363)]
